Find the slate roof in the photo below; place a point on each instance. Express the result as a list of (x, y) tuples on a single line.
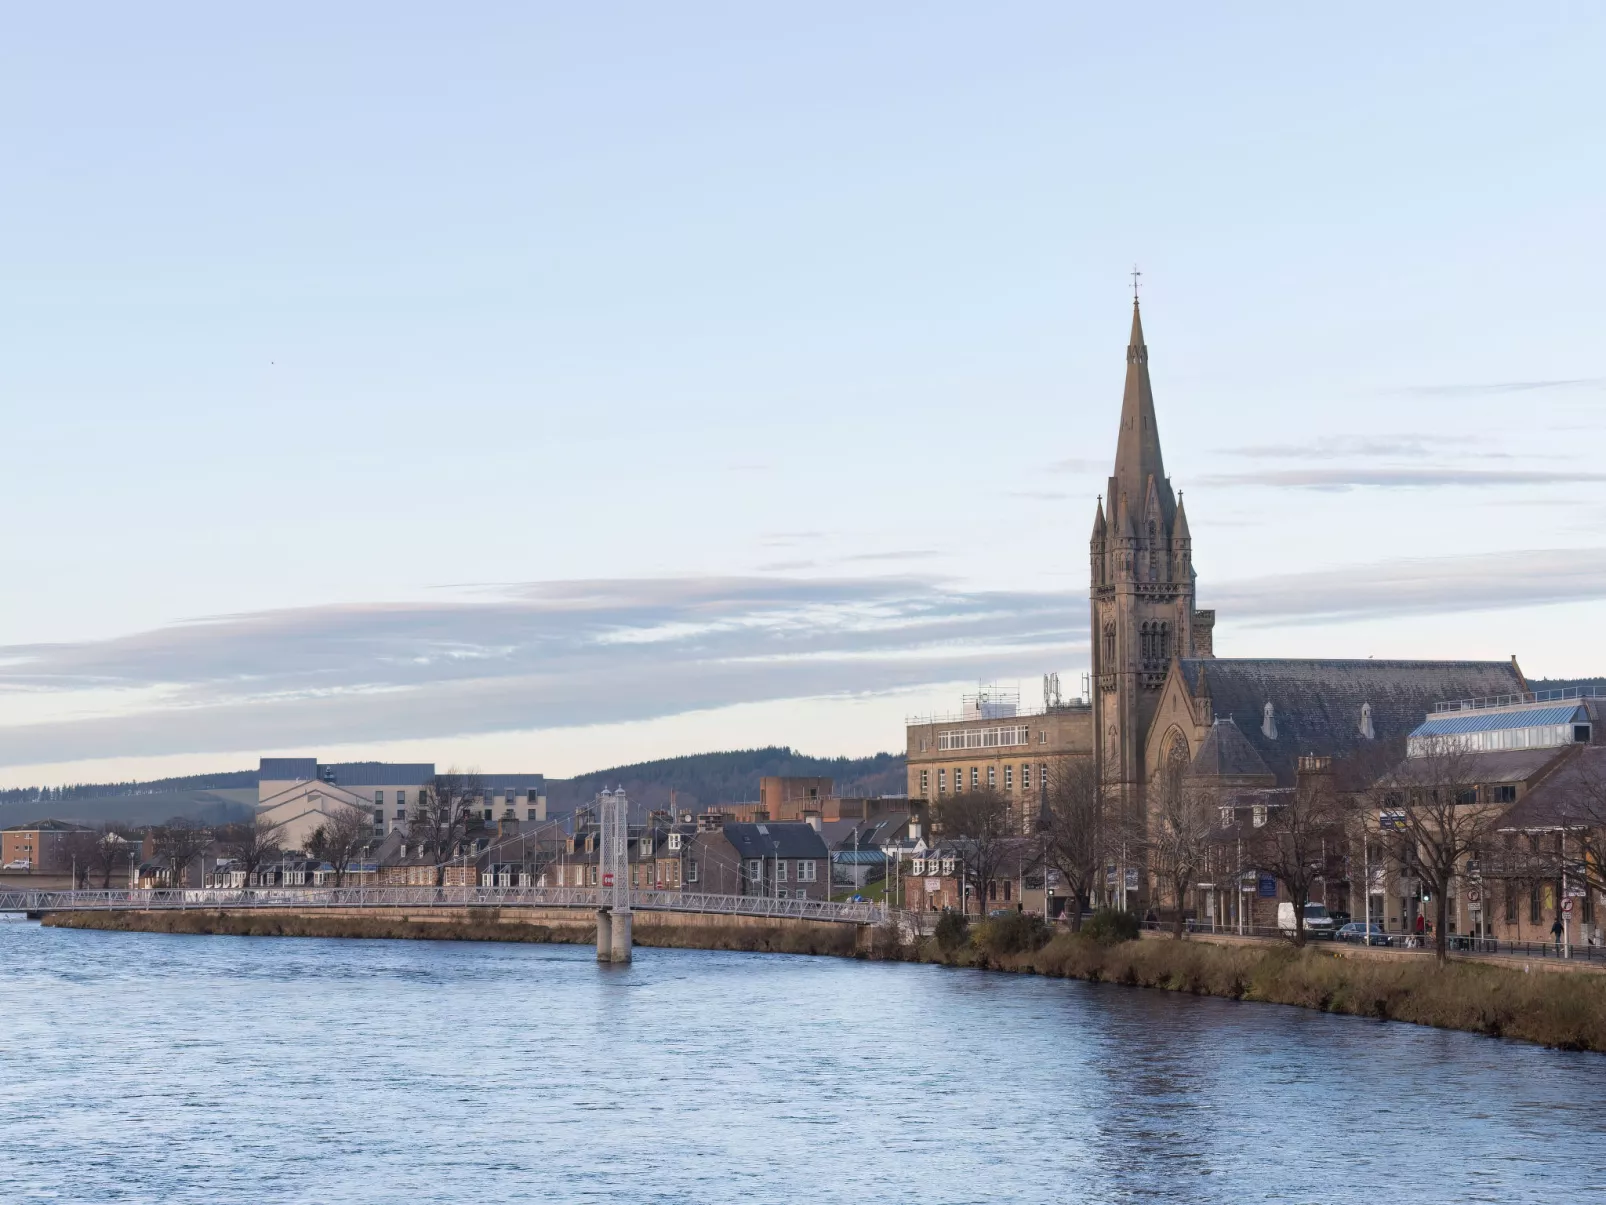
[(1317, 703), (1227, 753), (776, 839), (1573, 795), (287, 769)]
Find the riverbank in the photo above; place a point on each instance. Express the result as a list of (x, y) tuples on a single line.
[(1567, 1012), (667, 931)]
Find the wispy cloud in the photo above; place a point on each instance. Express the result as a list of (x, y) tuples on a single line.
[(1079, 464), (546, 655), (1425, 477), (1494, 387), (1414, 586), (1339, 447), (897, 554)]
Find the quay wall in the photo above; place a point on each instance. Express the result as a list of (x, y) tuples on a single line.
[(685, 930)]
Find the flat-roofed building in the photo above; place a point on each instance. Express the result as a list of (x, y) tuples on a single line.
[(991, 743), (301, 792)]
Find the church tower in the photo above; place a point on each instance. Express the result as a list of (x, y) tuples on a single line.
[(1142, 589)]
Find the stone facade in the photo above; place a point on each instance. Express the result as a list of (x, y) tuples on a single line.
[(1158, 687)]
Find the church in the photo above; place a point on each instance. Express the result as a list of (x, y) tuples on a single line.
[(1160, 692)]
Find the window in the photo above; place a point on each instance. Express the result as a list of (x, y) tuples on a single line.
[(379, 819), (1009, 778), (529, 814), (691, 872), (925, 782), (755, 870), (1226, 817), (992, 777), (975, 778), (983, 738), (805, 870), (379, 799), (1533, 904), (942, 782), (1259, 815), (490, 813), (1025, 778), (401, 799), (1506, 793), (780, 870), (674, 840), (1109, 644), (401, 814)]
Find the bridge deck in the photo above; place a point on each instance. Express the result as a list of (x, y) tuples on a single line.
[(429, 897)]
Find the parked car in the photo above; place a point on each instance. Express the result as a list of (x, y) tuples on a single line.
[(19, 864), (1317, 922), (1356, 932)]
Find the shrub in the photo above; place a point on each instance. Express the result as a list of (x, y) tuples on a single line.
[(1109, 927), (953, 931), (1014, 933)]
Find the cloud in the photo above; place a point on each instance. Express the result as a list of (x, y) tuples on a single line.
[(1417, 586), (1079, 464), (1502, 387), (1335, 447), (540, 655), (1400, 478), (1039, 495), (903, 554)]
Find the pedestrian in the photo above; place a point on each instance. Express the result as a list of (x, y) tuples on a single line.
[(1421, 924), (1555, 931), (1150, 919)]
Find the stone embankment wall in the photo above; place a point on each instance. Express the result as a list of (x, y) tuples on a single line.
[(686, 930)]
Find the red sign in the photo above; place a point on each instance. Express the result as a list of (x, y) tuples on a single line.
[(607, 880)]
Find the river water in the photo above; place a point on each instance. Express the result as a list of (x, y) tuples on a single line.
[(137, 1067)]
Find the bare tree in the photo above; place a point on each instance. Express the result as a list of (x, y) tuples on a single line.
[(109, 853), (1181, 833), (78, 849), (1437, 820), (979, 825), (254, 844), (181, 841), (446, 812), (1075, 829), (1305, 827), (341, 837)]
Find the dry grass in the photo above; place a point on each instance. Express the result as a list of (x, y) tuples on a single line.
[(1564, 1010)]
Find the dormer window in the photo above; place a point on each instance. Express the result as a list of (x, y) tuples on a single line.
[(1259, 815)]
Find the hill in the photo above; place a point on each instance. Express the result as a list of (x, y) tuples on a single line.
[(700, 779)]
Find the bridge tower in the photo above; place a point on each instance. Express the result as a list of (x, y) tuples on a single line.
[(613, 877)]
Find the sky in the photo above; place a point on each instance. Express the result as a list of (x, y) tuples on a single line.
[(542, 388)]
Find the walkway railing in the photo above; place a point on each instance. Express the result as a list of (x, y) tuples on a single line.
[(429, 897)]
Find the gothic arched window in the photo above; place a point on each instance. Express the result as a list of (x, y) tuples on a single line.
[(1109, 644), (1164, 642), (1145, 643)]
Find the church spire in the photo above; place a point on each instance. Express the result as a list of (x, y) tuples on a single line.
[(1137, 449)]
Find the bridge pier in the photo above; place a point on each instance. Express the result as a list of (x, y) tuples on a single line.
[(604, 935), (623, 932)]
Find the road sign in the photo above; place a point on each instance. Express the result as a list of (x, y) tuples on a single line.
[(607, 879), (1575, 891), (1132, 878), (1473, 897), (1393, 821), (1566, 905), (1267, 887)]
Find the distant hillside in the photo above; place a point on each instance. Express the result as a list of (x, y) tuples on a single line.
[(701, 779), (1564, 683), (137, 808), (226, 780)]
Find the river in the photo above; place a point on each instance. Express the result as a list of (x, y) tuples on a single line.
[(140, 1067)]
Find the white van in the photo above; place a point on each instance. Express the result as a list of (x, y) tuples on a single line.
[(1317, 922)]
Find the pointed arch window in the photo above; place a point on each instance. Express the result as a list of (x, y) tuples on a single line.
[(1109, 644)]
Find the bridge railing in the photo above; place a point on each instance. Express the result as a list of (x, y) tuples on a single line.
[(145, 899)]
